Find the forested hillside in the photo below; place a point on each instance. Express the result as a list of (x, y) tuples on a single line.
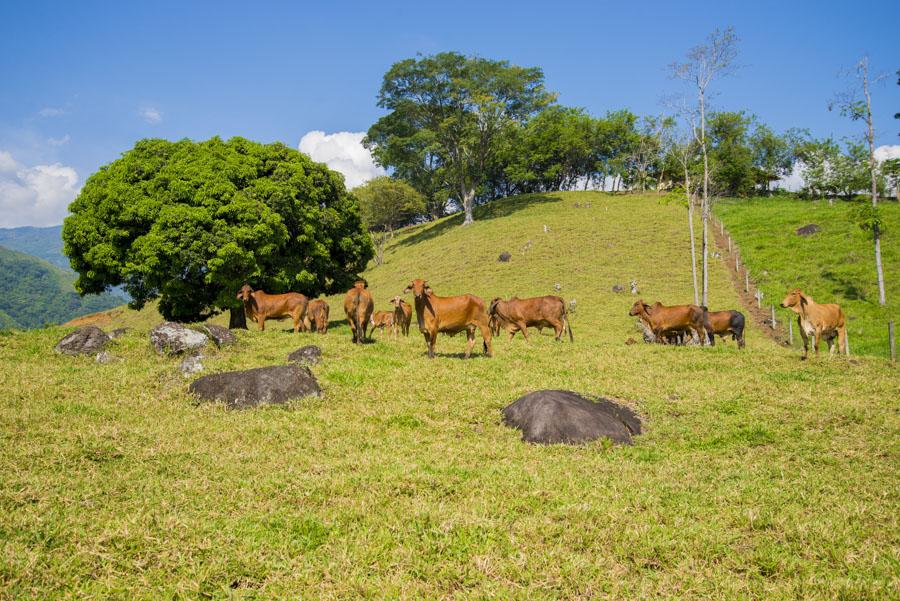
[(41, 242), (33, 293)]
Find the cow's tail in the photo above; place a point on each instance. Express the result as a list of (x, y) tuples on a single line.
[(707, 327), (737, 327), (568, 325)]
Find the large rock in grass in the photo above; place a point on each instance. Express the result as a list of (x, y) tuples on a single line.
[(249, 388), (808, 230), (221, 336), (88, 340), (561, 416), (173, 339), (309, 354)]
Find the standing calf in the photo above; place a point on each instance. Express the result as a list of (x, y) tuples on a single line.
[(316, 319), (259, 306), (450, 315), (517, 315), (402, 314), (819, 321)]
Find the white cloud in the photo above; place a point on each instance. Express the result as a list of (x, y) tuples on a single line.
[(59, 141), (38, 195), (151, 115), (793, 181), (343, 152), (51, 111), (884, 153)]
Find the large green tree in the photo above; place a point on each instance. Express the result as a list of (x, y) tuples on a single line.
[(189, 223), (732, 171), (386, 204), (445, 115)]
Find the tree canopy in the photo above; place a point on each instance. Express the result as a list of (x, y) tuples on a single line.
[(189, 222)]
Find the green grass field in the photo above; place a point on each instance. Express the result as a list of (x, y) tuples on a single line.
[(758, 476), (835, 265)]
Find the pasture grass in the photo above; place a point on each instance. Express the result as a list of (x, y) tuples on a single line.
[(758, 476), (835, 265)]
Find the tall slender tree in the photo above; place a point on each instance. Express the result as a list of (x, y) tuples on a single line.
[(859, 108), (704, 64)]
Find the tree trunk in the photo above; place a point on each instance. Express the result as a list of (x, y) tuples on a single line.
[(704, 208), (237, 319), (468, 196), (873, 168), (690, 199)]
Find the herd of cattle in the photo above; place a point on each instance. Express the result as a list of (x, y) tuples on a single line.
[(435, 314)]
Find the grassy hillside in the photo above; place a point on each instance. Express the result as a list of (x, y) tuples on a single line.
[(758, 475), (41, 242), (835, 265), (34, 292)]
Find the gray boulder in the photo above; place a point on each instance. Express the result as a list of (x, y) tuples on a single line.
[(173, 339), (561, 416), (104, 358), (618, 288), (310, 354), (221, 336), (808, 230), (88, 340), (190, 365), (504, 257), (118, 333), (249, 388)]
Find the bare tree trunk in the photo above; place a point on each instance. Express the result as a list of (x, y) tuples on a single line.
[(237, 319), (704, 208), (690, 199), (873, 168), (468, 196)]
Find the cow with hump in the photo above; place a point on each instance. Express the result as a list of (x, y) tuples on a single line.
[(259, 306), (449, 315), (517, 315), (817, 320), (358, 307)]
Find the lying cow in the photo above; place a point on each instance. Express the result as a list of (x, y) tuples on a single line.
[(358, 307), (316, 319), (259, 306), (382, 320), (517, 315), (664, 321), (450, 315), (402, 314), (818, 321), (724, 323)]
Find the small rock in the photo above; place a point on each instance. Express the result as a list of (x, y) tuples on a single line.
[(630, 341), (634, 288), (309, 354), (504, 257), (191, 364), (174, 338), (88, 340), (618, 288), (808, 230), (577, 205), (557, 287), (249, 388), (117, 333), (219, 335), (546, 229), (561, 416), (104, 357)]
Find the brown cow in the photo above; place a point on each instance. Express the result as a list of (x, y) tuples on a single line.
[(259, 306), (382, 320), (402, 315), (663, 320), (316, 319), (450, 315), (358, 306), (819, 321), (517, 315), (723, 323)]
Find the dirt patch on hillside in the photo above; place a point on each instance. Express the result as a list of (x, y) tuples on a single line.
[(761, 317), (95, 319)]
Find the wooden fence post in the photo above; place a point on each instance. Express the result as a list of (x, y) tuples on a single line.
[(774, 323), (891, 340), (746, 280), (790, 331), (729, 243)]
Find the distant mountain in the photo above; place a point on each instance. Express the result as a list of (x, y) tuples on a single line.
[(34, 293), (41, 242)]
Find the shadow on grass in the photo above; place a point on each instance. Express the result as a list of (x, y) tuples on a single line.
[(485, 212)]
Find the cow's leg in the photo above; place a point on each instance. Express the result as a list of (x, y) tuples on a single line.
[(297, 322), (817, 337), (842, 340), (559, 328), (261, 321), (805, 338), (486, 335), (470, 340), (521, 325)]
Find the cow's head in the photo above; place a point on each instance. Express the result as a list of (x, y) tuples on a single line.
[(360, 283), (419, 288), (638, 307), (244, 294), (794, 300)]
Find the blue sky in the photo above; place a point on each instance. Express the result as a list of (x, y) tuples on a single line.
[(82, 81)]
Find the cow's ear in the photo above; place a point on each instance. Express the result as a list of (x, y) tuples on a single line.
[(408, 289), (803, 298), (428, 289)]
